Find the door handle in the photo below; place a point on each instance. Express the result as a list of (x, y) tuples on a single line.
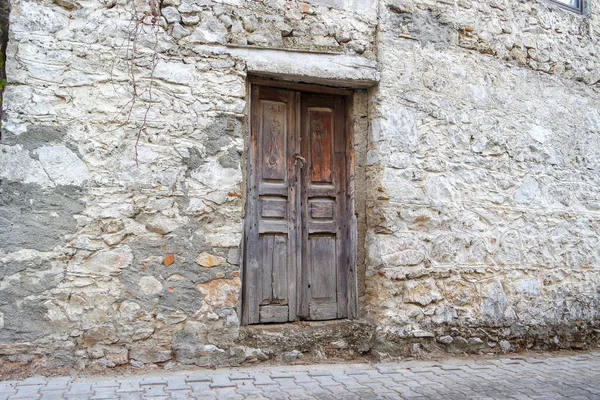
[(298, 157)]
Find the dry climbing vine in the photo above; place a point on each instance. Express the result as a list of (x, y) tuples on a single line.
[(133, 57)]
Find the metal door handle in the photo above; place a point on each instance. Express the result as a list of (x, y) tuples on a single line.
[(298, 157)]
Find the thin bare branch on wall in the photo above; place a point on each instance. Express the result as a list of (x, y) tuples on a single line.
[(4, 13), (143, 15)]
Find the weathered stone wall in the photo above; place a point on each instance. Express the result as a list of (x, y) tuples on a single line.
[(481, 211), (109, 257), (483, 175)]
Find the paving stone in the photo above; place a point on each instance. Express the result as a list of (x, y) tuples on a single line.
[(313, 387), (7, 387), (349, 384), (326, 380), (321, 394), (129, 386), (153, 381), (288, 384), (177, 383), (475, 367), (336, 390), (77, 396), (432, 394), (535, 361), (198, 378), (388, 370), (221, 381), (424, 370), (263, 379), (319, 373), (362, 379), (104, 393), (356, 372), (349, 396), (386, 380), (240, 376), (24, 392), (227, 393), (364, 393), (155, 390), (248, 390), (280, 375), (131, 396), (28, 396), (578, 358), (255, 396), (572, 377), (58, 380), (298, 394), (394, 396), (34, 380), (200, 387), (105, 384), (180, 394), (452, 367), (54, 388), (302, 377), (209, 394)]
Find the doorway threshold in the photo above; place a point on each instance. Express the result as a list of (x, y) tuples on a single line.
[(315, 340)]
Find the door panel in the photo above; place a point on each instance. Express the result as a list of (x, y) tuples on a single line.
[(320, 124), (274, 264), (322, 252), (269, 293), (273, 140), (296, 230), (274, 207), (323, 207)]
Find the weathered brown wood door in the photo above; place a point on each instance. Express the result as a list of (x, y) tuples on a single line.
[(298, 260)]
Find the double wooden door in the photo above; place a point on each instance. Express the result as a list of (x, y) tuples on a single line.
[(298, 242)]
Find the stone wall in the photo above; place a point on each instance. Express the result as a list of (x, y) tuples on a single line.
[(483, 176), (481, 181), (113, 254)]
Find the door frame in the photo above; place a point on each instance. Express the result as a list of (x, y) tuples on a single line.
[(352, 286)]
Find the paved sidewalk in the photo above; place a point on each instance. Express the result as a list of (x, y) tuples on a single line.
[(533, 376)]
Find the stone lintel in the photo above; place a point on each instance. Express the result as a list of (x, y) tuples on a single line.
[(367, 8), (341, 70)]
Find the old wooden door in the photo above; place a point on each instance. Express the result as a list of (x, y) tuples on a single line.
[(297, 251)]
